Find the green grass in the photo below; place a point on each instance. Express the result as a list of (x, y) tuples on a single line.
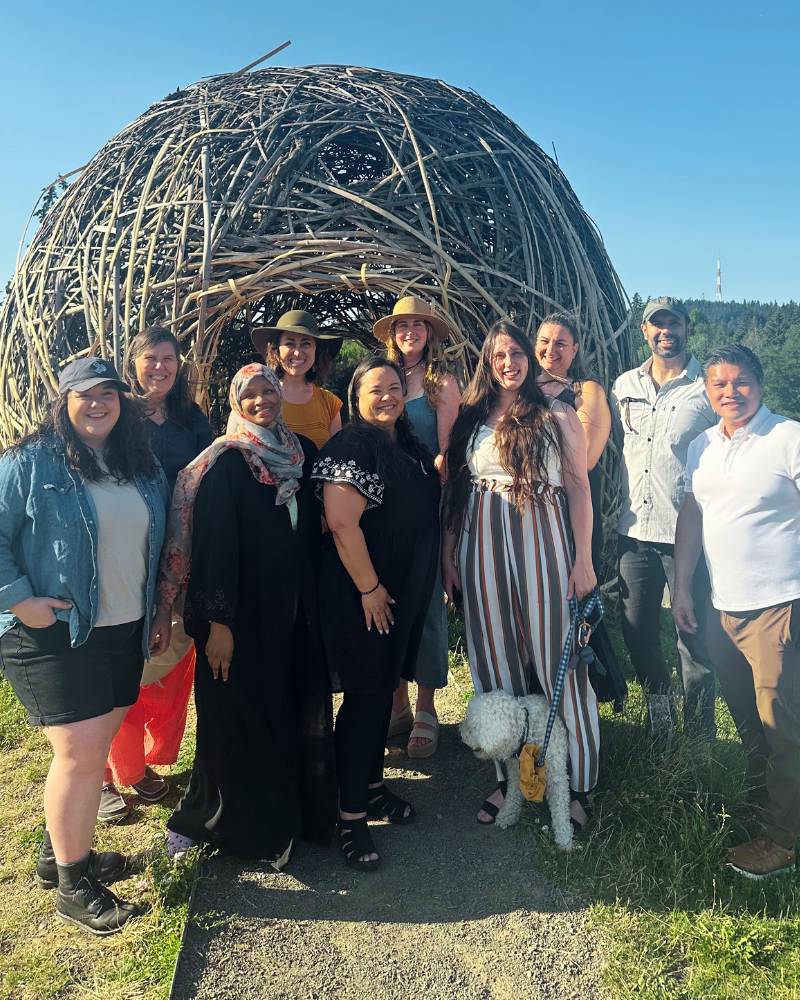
[(39, 957), (677, 923), (680, 924)]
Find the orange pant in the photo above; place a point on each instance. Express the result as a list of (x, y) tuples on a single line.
[(152, 731)]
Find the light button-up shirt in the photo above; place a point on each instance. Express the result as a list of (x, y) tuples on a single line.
[(653, 428)]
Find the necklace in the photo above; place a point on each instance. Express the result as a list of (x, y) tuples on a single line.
[(411, 369)]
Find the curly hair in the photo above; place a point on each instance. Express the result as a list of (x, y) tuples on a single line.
[(393, 458), (178, 405), (317, 374), (524, 435), (434, 368), (126, 454)]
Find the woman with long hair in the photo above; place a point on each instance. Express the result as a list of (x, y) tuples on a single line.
[(380, 491), (301, 356), (517, 542), (245, 526), (413, 336), (564, 377), (178, 431), (84, 510)]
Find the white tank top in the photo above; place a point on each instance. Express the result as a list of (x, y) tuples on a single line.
[(484, 462)]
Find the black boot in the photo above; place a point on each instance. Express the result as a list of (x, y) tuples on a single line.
[(106, 867), (85, 902)]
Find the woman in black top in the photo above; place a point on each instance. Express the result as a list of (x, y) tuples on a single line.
[(564, 377), (177, 430), (380, 490), (263, 767)]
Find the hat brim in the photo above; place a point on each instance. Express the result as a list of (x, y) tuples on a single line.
[(381, 329), (666, 309), (88, 383), (262, 335)]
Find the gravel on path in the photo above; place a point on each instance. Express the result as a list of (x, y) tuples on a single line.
[(456, 912)]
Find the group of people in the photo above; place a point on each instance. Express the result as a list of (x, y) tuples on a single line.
[(292, 557)]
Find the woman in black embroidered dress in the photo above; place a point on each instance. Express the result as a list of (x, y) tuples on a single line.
[(381, 495), (263, 769)]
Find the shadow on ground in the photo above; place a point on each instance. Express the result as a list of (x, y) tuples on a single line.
[(457, 910)]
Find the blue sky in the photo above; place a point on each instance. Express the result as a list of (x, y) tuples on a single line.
[(676, 123)]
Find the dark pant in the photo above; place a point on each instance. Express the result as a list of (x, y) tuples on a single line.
[(757, 654), (644, 569), (360, 736)]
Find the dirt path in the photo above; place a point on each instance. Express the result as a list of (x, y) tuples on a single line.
[(457, 912)]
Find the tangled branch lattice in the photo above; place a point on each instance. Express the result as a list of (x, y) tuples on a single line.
[(330, 188)]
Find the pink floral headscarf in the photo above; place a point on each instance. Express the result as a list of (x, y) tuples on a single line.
[(274, 456)]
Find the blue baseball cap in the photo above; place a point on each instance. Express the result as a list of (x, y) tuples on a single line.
[(82, 374)]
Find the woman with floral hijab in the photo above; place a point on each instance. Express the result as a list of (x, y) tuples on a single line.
[(245, 528)]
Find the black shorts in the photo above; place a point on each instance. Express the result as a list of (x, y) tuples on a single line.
[(58, 684)]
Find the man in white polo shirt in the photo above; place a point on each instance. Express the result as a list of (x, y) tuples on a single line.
[(742, 504), (657, 410)]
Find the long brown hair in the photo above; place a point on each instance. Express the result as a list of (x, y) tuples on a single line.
[(523, 435), (317, 374), (126, 454), (433, 365), (178, 404)]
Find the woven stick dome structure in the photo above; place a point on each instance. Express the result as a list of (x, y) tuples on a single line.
[(330, 188)]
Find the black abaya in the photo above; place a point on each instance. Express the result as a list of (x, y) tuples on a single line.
[(263, 771)]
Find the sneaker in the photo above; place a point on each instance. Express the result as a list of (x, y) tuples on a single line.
[(152, 787), (659, 715), (113, 807), (760, 858), (105, 866), (87, 904)]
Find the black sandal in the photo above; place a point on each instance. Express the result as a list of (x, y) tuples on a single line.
[(387, 805), (355, 842), (586, 803), (490, 807)]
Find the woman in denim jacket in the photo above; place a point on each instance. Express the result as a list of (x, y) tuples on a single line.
[(82, 516)]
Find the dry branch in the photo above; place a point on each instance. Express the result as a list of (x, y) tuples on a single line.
[(331, 188)]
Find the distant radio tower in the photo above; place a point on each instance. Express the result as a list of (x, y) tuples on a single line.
[(719, 281)]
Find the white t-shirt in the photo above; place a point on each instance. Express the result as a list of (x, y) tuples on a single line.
[(748, 490), (123, 549)]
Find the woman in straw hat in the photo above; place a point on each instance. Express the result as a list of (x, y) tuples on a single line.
[(413, 336), (301, 357)]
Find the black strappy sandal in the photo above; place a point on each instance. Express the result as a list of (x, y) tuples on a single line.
[(586, 803), (490, 807), (386, 805), (355, 842)]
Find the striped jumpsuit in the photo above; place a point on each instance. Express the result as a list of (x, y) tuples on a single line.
[(514, 566)]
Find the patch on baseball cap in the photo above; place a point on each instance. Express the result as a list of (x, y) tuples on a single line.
[(82, 374)]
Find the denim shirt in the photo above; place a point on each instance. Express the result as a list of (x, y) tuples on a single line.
[(48, 537)]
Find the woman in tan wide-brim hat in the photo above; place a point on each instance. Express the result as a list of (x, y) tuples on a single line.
[(301, 357), (413, 336)]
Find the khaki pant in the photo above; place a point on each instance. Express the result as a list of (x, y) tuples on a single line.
[(757, 657)]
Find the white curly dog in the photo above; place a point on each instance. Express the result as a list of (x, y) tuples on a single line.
[(496, 726)]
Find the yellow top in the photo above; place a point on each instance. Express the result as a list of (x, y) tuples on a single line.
[(314, 418)]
